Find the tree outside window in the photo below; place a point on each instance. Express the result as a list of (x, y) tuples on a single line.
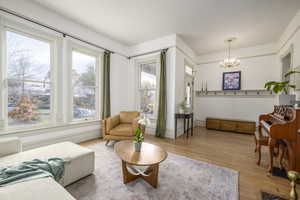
[(29, 84), (84, 85)]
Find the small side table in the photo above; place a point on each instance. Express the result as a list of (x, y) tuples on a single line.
[(187, 117)]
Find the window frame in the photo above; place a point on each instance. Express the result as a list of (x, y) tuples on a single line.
[(24, 29), (60, 77), (138, 63), (88, 50), (186, 77)]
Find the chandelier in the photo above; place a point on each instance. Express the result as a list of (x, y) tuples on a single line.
[(230, 62)]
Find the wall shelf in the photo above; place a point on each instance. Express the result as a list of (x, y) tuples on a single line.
[(200, 93)]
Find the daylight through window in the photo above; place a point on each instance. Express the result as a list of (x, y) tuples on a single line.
[(84, 85), (29, 80), (148, 88)]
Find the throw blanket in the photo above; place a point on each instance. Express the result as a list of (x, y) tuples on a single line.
[(53, 167)]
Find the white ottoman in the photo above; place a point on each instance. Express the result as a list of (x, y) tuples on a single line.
[(80, 160)]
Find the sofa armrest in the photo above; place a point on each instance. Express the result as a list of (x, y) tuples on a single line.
[(112, 122), (10, 146), (136, 125)]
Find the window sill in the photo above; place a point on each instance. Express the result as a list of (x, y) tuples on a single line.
[(25, 131)]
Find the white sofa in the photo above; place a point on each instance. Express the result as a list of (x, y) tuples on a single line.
[(80, 163)]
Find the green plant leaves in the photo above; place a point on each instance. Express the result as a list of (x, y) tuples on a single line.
[(278, 87), (138, 135), (291, 72)]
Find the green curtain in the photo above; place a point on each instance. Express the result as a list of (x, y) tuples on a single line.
[(162, 103), (106, 86)]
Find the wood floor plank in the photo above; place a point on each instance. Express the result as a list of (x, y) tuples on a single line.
[(231, 150)]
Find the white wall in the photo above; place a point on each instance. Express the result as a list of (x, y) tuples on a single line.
[(153, 45), (291, 38), (258, 65), (171, 90), (119, 75)]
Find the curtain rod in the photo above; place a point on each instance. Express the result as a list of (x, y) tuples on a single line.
[(151, 52), (57, 30)]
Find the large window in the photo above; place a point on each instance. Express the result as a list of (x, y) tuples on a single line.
[(84, 85), (46, 80), (28, 80), (148, 84)]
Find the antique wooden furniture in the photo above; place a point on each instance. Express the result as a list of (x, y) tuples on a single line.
[(121, 127), (150, 156), (260, 140), (187, 126), (239, 126), (282, 126)]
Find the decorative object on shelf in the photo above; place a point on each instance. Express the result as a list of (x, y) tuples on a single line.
[(293, 177), (265, 93), (139, 135), (230, 62), (232, 80), (183, 107), (205, 86), (282, 88)]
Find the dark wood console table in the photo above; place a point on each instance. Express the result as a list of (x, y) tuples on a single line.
[(187, 117)]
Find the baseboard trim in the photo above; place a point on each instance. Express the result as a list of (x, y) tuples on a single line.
[(70, 135), (169, 132)]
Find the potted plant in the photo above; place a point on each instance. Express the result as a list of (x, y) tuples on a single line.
[(139, 135), (283, 87)]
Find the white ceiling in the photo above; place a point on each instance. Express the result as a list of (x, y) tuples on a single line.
[(202, 24)]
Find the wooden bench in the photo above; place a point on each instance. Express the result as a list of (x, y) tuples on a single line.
[(239, 126)]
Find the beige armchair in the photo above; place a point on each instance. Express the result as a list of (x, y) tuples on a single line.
[(121, 127)]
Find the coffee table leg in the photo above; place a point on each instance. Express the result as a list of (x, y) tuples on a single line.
[(151, 172), (152, 179), (127, 176)]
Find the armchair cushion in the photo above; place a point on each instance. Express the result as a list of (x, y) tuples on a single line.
[(112, 122), (10, 146), (122, 130), (128, 117)]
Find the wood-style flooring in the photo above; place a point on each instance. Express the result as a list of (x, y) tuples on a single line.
[(231, 150)]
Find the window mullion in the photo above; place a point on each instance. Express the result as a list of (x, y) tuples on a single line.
[(29, 81), (3, 85)]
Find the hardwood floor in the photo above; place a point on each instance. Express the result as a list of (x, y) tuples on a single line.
[(231, 150)]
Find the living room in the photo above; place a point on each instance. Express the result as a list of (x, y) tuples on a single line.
[(149, 100)]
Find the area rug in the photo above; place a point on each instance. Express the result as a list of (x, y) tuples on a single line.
[(180, 178), (268, 196)]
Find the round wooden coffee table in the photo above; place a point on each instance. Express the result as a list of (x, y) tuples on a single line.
[(150, 157)]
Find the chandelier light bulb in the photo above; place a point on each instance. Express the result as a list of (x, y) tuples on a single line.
[(230, 62)]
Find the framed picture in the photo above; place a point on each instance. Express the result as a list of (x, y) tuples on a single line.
[(232, 80)]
